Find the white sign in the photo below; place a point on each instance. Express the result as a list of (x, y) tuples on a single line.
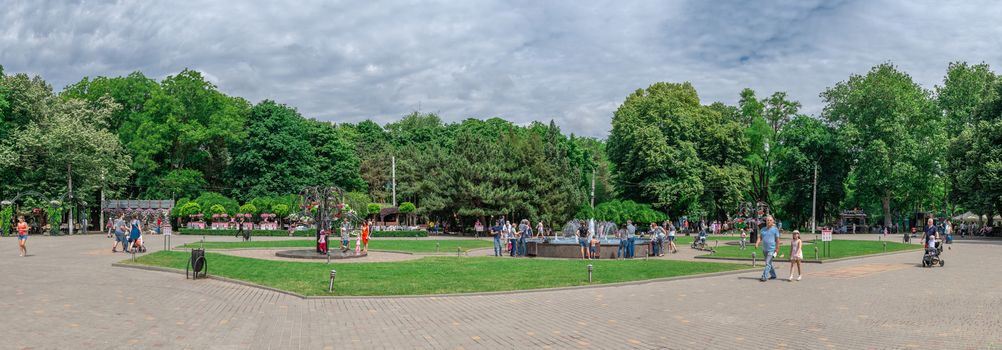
[(166, 230), (826, 235)]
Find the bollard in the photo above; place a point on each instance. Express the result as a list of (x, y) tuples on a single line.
[(753, 259), (133, 255), (590, 268), (328, 256), (459, 251), (816, 257), (885, 247), (330, 289)]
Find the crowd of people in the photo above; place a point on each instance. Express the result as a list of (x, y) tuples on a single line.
[(345, 233), (511, 238), (128, 236)]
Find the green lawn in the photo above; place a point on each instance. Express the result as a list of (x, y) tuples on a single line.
[(402, 245), (839, 249), (433, 275)]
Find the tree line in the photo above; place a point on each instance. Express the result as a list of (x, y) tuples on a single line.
[(882, 143)]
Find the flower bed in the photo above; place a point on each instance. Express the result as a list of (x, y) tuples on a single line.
[(303, 233), (399, 234)]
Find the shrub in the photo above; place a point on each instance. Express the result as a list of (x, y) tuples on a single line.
[(188, 209), (399, 233), (210, 199), (248, 209), (304, 233)]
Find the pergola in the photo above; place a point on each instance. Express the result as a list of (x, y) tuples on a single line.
[(146, 210)]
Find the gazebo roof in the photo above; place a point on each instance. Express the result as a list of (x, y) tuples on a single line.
[(388, 211)]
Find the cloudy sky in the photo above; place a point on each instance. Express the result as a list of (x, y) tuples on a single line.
[(571, 61)]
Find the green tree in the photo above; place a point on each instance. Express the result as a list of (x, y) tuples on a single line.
[(373, 209), (895, 135), (66, 143), (668, 150), (208, 201), (189, 209), (280, 210), (407, 208), (965, 89), (975, 157), (806, 142), (248, 209), (277, 157)]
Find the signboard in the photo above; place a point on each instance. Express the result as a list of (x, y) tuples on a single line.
[(166, 230), (826, 235)]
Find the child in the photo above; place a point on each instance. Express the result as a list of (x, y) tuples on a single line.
[(344, 238), (323, 242), (743, 235), (796, 254), (358, 243)]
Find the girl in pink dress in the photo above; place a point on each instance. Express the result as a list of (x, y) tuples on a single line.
[(796, 254)]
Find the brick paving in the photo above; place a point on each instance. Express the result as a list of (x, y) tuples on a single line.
[(66, 295)]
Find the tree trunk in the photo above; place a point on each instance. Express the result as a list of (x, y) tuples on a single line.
[(886, 204)]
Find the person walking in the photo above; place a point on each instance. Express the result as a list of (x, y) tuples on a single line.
[(496, 232), (671, 239), (769, 240), (109, 227), (796, 254), (22, 237), (583, 241), (135, 230), (119, 233)]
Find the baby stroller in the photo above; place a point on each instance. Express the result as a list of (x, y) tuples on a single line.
[(700, 241), (932, 256)]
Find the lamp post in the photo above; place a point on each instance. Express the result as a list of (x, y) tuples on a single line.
[(590, 268), (330, 289)]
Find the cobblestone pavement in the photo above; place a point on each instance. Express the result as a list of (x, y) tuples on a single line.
[(66, 295)]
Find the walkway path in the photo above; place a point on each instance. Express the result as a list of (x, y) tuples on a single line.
[(67, 295)]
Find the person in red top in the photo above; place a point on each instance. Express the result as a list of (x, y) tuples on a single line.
[(22, 236)]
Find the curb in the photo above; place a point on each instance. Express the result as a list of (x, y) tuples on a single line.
[(224, 279), (812, 261), (451, 295), (465, 253)]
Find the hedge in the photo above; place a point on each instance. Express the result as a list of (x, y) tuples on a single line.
[(284, 233), (303, 233), (400, 234)]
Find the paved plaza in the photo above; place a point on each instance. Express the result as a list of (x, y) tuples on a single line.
[(66, 295)]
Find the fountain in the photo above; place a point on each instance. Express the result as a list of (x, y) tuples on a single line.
[(566, 244)]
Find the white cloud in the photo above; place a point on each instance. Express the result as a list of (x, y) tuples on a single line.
[(573, 62)]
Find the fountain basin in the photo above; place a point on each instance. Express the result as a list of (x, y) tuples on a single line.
[(312, 254), (570, 249)]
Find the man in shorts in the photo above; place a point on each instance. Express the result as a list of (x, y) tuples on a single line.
[(120, 233), (583, 241)]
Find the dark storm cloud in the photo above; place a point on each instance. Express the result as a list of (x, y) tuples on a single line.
[(524, 60)]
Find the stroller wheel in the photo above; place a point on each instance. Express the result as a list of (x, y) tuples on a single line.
[(941, 262)]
